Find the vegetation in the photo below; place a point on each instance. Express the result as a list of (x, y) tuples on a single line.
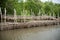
[(30, 7)]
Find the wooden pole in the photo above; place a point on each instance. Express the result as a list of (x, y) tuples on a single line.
[(5, 16), (39, 13), (58, 15), (31, 12), (58, 18), (50, 14), (24, 15), (1, 15), (1, 20), (15, 16)]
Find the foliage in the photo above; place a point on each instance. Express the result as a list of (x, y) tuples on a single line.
[(31, 6)]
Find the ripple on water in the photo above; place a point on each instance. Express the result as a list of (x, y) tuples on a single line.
[(37, 33)]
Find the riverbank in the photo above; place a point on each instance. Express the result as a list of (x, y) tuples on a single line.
[(11, 25), (27, 18), (28, 22)]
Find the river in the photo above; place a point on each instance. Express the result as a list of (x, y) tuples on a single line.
[(35, 33)]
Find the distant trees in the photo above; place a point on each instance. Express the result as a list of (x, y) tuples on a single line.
[(3, 5), (30, 5)]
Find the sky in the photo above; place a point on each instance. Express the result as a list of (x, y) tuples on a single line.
[(55, 1)]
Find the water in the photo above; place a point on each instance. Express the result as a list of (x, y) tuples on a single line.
[(35, 33)]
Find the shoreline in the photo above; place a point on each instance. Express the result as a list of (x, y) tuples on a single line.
[(34, 22), (12, 26)]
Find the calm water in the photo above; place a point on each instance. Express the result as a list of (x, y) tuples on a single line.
[(36, 33)]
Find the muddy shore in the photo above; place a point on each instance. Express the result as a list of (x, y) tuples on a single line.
[(43, 21), (11, 26)]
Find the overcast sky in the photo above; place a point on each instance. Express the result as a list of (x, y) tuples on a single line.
[(55, 1)]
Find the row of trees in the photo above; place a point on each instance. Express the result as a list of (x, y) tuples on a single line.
[(31, 6)]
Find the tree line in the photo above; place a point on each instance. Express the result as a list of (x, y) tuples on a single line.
[(33, 7)]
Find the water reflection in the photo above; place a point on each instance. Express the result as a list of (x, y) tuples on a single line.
[(37, 33)]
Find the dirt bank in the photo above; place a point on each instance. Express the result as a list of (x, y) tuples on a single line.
[(11, 25), (28, 18), (36, 21)]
